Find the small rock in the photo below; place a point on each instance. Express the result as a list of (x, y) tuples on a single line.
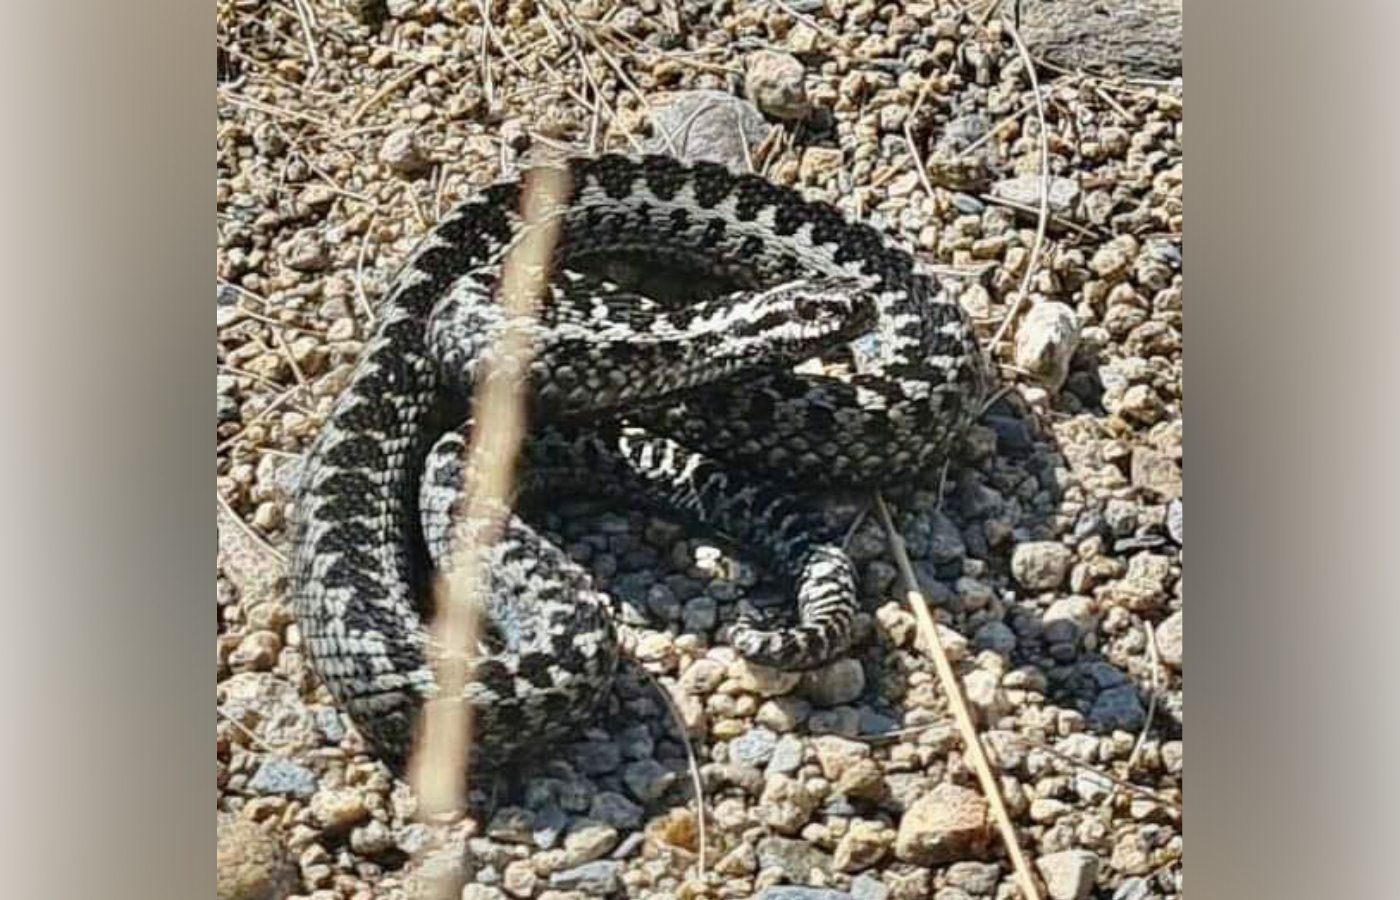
[(1111, 261), (985, 695), (766, 682), (707, 125), (306, 252), (862, 780), (788, 892), (867, 887), (862, 846), (700, 615), (783, 714), (402, 153), (519, 879), (282, 776), (997, 637), (1118, 708), (835, 684), (597, 757), (753, 748), (1069, 620), (946, 824), (835, 754), (787, 756), (588, 840), (1156, 472), (1169, 636), (786, 804), (594, 878), (797, 859), (775, 84), (250, 863), (371, 839), (1040, 565), (339, 810), (820, 165), (1175, 521), (977, 878), (647, 779), (257, 652), (1045, 342), (702, 676), (1069, 875), (1133, 889), (1025, 190), (616, 810)]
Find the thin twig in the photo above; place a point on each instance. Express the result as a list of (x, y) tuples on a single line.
[(368, 307), (952, 687), (808, 21), (691, 761), (304, 18), (909, 139), (378, 96), (1044, 214)]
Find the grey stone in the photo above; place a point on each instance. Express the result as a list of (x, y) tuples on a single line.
[(647, 779), (1128, 37), (1025, 190), (1133, 889), (835, 684), (597, 757), (1118, 708), (997, 637), (616, 810), (868, 887), (788, 892), (282, 776), (977, 878), (754, 747), (601, 877), (1040, 565), (786, 757), (775, 83), (1070, 874), (707, 125), (796, 858), (1045, 342), (1169, 640)]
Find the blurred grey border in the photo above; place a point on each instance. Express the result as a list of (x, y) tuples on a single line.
[(108, 525), (106, 256), (1292, 192)]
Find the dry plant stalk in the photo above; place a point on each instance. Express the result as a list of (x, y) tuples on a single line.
[(438, 770), (952, 687)]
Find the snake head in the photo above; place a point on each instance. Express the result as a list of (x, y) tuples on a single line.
[(800, 319)]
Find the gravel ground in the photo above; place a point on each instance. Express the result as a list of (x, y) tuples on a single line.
[(1053, 552)]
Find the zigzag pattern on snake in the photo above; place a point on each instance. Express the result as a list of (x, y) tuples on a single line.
[(698, 408)]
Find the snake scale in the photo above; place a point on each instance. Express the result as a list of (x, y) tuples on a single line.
[(700, 408)]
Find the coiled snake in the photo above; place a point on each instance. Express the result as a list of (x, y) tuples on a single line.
[(695, 407)]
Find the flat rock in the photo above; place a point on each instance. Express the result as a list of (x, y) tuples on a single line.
[(708, 126), (946, 824), (250, 863), (1129, 37)]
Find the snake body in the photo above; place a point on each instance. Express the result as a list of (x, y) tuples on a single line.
[(697, 408)]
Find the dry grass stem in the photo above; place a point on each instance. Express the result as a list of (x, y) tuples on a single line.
[(952, 687), (439, 765), (692, 763), (1043, 215)]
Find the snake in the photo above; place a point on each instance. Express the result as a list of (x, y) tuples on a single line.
[(796, 351)]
